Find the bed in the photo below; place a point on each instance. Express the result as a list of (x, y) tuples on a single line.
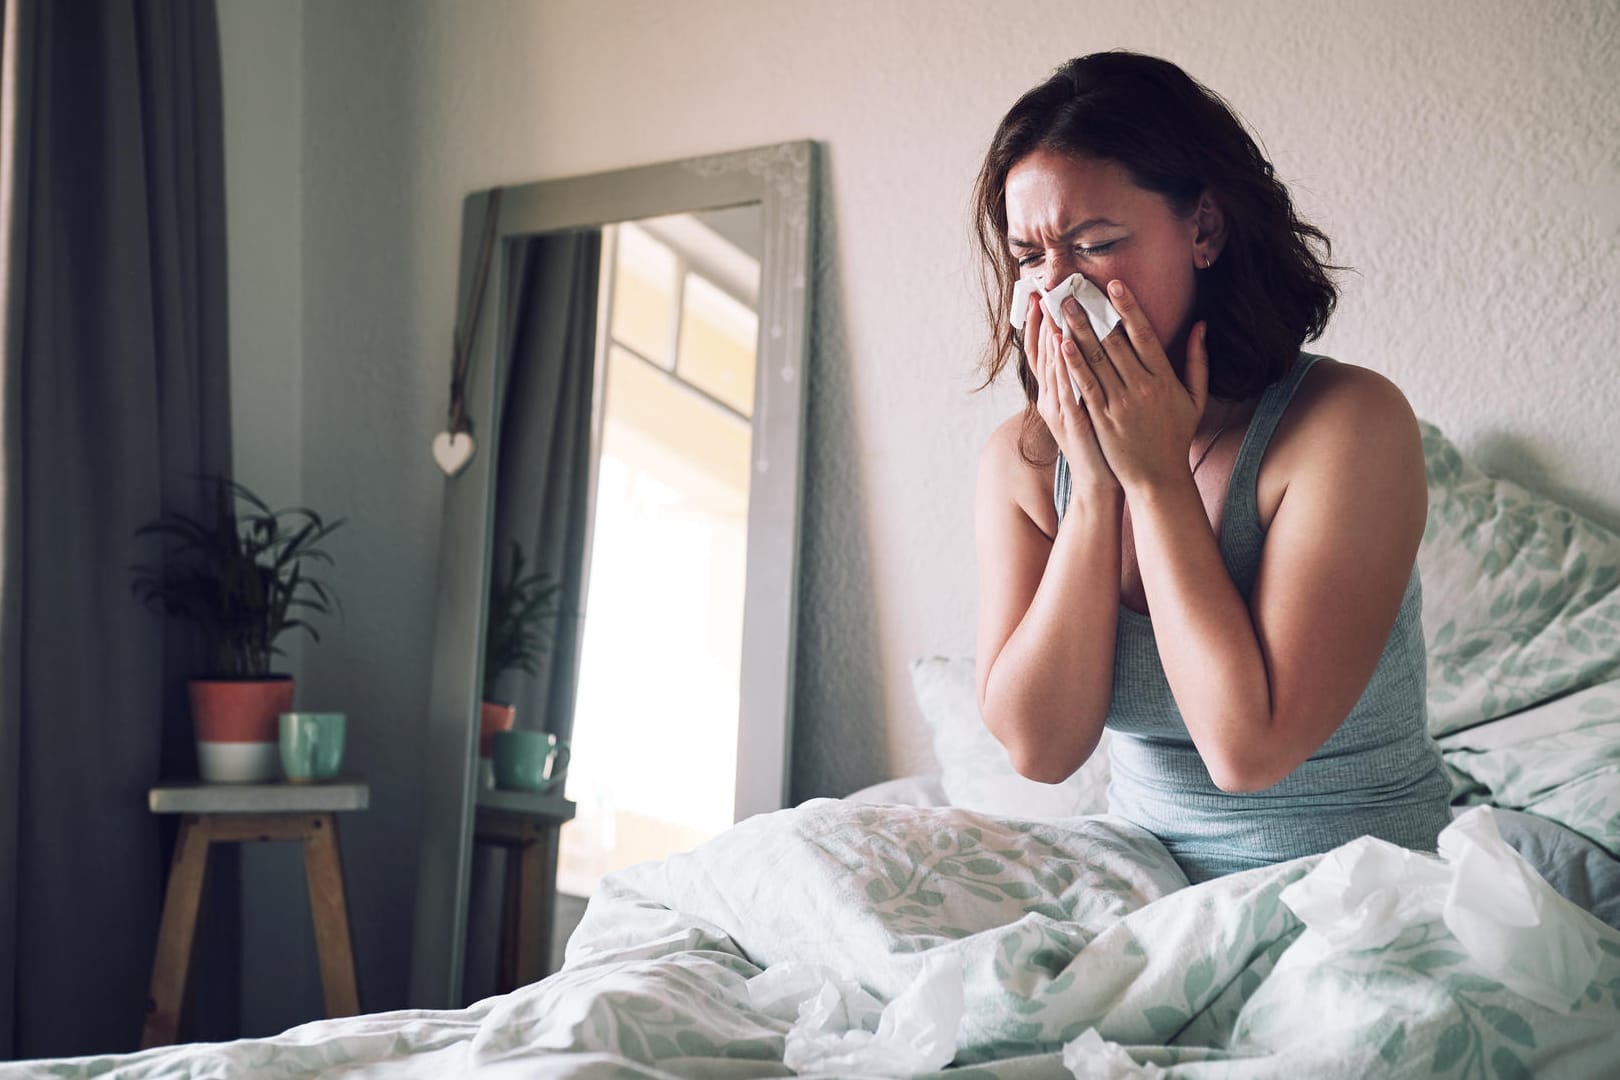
[(974, 924)]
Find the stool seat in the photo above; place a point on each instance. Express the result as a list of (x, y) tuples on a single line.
[(248, 813), (197, 797)]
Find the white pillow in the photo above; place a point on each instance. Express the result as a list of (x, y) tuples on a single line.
[(1521, 595), (976, 772)]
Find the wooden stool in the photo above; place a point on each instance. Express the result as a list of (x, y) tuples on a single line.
[(244, 813), (526, 825)]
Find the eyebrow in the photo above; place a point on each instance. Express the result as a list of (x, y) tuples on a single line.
[(1068, 234)]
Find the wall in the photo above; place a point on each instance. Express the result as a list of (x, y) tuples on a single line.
[(262, 50), (1464, 156)]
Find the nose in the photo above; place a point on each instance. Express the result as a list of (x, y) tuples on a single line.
[(1060, 266)]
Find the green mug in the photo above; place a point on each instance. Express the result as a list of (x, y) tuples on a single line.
[(311, 745), (529, 760)]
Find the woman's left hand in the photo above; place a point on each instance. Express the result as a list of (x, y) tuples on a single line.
[(1144, 415)]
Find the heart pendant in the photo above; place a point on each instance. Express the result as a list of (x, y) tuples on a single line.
[(452, 450)]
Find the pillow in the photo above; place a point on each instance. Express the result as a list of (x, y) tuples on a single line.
[(1519, 594), (976, 772)]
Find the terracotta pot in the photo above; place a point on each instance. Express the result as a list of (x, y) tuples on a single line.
[(237, 723), (492, 717)]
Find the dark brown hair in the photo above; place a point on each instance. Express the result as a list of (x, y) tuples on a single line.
[(1266, 295)]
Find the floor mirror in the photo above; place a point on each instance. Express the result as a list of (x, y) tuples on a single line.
[(636, 397)]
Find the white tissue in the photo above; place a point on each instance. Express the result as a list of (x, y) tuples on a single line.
[(787, 990), (1092, 1057), (834, 1029), (1360, 896), (1514, 926), (1090, 298), (1513, 923)]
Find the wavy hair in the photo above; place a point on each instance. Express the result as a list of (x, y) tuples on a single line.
[(1268, 293)]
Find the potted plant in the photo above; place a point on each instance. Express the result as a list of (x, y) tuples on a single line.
[(239, 575), (517, 635)]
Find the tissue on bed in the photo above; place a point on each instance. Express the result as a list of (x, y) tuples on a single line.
[(1514, 926), (1092, 1057), (916, 1032), (1090, 298)]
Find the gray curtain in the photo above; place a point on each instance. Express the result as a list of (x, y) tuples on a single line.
[(542, 478), (115, 402)]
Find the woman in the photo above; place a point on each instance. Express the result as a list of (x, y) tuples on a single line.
[(1194, 534)]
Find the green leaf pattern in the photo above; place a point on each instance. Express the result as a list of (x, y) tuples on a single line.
[(1521, 594), (1560, 760), (1059, 928)]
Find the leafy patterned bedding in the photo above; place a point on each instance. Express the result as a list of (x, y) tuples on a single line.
[(1075, 941), (844, 940), (1560, 761)]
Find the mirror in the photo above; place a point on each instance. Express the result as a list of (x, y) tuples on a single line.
[(636, 389)]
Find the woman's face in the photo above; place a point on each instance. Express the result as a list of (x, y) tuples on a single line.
[(1071, 214)]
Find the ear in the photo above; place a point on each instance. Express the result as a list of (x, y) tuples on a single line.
[(1209, 230)]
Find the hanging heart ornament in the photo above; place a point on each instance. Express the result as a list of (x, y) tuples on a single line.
[(452, 450)]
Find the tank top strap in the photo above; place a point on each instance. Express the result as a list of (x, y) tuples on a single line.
[(1241, 534)]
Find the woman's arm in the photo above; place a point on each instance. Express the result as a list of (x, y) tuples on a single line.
[(1047, 612), (1262, 685)]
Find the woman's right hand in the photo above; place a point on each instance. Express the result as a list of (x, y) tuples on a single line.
[(1065, 415)]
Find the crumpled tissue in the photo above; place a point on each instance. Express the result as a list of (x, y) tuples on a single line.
[(1090, 298), (839, 1027), (1092, 1057), (1514, 925)]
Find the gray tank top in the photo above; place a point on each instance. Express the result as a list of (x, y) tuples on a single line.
[(1379, 774)]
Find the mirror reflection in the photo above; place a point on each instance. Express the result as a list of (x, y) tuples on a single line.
[(655, 735), (620, 536)]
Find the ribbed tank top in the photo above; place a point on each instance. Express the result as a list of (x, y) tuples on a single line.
[(1379, 774)]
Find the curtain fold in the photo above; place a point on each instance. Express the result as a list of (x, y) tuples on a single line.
[(116, 402), (542, 477)]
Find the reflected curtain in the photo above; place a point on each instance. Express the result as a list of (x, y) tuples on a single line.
[(115, 400), (542, 477), (542, 489)]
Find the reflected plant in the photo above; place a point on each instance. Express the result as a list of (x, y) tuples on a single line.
[(518, 632)]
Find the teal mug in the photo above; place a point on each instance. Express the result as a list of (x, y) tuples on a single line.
[(311, 745), (529, 760)]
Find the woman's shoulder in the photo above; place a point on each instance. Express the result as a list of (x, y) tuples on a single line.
[(1345, 424), (1337, 402), (1005, 474)]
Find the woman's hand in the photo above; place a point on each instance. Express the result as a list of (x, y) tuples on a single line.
[(1065, 417), (1143, 415)]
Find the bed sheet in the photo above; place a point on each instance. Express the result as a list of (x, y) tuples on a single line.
[(1079, 934)]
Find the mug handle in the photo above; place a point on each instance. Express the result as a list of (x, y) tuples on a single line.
[(559, 765)]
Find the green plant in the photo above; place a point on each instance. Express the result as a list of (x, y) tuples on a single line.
[(520, 607), (240, 576)]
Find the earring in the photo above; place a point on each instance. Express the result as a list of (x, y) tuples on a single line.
[(1207, 262)]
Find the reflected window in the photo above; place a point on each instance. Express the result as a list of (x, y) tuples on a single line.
[(641, 315), (717, 336), (654, 764)]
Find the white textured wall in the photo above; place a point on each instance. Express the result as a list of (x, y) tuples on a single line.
[(1464, 156)]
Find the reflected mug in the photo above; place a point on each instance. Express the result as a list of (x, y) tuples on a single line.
[(529, 760), (311, 745)]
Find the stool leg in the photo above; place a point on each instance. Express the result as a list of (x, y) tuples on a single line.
[(537, 869), (330, 910), (506, 969), (177, 932)]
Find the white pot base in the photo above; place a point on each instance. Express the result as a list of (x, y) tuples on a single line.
[(238, 762)]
